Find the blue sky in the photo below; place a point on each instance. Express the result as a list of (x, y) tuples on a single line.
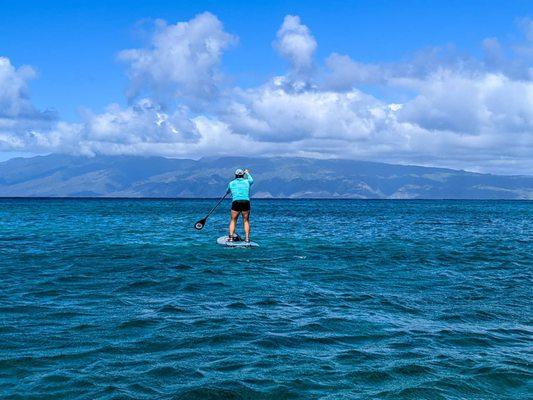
[(73, 44), (73, 49)]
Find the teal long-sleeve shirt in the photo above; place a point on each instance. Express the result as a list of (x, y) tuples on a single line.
[(240, 187)]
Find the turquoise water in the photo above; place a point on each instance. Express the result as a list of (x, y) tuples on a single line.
[(123, 299)]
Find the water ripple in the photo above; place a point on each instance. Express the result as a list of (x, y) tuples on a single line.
[(117, 299)]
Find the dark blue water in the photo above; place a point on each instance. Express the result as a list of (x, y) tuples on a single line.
[(123, 299)]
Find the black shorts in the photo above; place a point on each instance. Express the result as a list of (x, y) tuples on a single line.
[(240, 205)]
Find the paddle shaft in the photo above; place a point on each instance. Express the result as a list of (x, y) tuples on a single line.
[(215, 207)]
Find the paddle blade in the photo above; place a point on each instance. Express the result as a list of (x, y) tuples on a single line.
[(200, 224)]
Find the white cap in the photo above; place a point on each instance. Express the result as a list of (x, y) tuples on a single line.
[(239, 171)]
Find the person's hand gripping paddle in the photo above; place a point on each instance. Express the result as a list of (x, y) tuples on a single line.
[(200, 224)]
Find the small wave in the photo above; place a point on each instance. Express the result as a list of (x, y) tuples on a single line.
[(67, 314), (215, 272), (237, 305), (8, 329), (164, 371), (220, 393), (192, 287), (268, 302), (314, 327), (466, 339), (417, 392), (182, 267), (73, 278), (55, 378), (397, 306), (171, 309), (499, 378), (143, 284), (276, 341), (27, 309), (371, 376), (13, 238), (138, 323), (47, 293), (354, 356), (83, 327), (357, 298), (229, 366), (412, 370), (137, 389)]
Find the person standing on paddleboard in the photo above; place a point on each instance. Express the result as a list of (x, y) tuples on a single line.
[(240, 193)]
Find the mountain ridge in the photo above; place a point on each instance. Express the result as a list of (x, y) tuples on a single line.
[(58, 175)]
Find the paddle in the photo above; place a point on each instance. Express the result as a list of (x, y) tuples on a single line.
[(200, 224)]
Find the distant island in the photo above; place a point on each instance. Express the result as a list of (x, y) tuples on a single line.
[(276, 177)]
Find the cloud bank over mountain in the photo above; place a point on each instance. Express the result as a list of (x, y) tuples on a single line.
[(439, 107)]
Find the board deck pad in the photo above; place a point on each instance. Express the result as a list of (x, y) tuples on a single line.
[(237, 242)]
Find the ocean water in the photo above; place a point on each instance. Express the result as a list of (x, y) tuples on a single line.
[(123, 299)]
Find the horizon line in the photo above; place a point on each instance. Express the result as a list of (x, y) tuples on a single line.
[(253, 198)]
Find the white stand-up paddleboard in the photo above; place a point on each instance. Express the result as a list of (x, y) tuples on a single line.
[(237, 242)]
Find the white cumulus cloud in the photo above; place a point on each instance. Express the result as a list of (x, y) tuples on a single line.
[(296, 43), (182, 60), (20, 120)]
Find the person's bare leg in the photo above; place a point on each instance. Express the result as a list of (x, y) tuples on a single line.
[(233, 222), (246, 223)]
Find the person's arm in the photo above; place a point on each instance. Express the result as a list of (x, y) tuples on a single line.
[(249, 177)]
